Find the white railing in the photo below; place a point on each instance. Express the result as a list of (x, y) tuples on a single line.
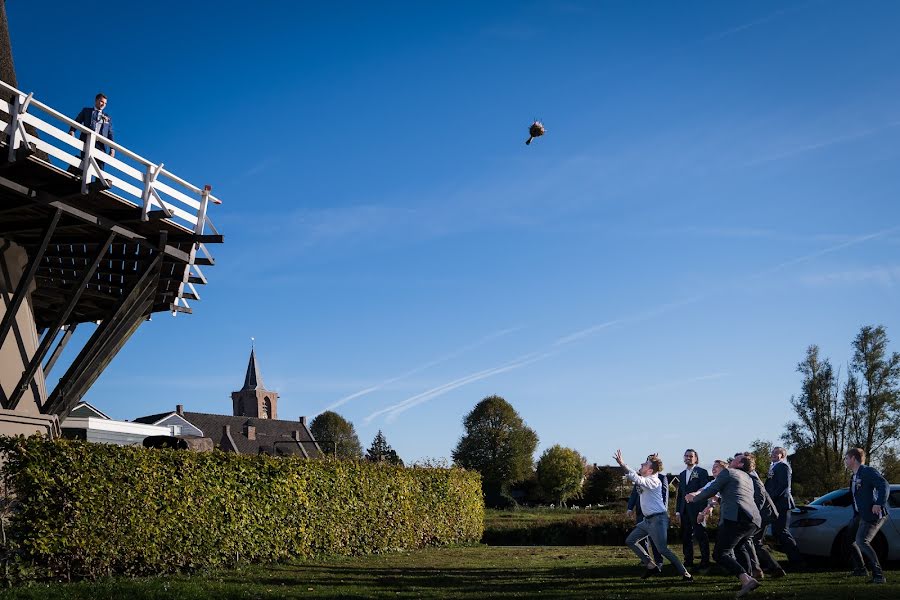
[(130, 176), (127, 176)]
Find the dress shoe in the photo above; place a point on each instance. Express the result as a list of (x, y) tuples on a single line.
[(748, 587)]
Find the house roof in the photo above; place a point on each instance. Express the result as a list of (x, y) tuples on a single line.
[(273, 436), (84, 409), (153, 419)]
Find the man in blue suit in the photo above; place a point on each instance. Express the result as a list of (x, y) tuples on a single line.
[(94, 118), (778, 485), (870, 491), (692, 479)]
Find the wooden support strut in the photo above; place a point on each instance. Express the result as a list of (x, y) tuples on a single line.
[(48, 366), (105, 342), (27, 278), (53, 330)]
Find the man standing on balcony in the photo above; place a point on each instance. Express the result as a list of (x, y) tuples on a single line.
[(94, 118)]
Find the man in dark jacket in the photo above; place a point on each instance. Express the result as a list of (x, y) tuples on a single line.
[(693, 478), (95, 119), (778, 485), (870, 491)]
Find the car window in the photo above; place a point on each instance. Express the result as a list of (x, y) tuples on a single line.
[(835, 498), (894, 499)]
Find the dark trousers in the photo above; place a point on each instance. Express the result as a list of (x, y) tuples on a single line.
[(861, 533), (780, 532), (731, 536), (690, 531), (766, 561)]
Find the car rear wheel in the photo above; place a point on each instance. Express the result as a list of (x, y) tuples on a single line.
[(840, 549)]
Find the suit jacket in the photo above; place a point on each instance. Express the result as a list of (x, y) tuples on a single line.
[(779, 486), (871, 489), (767, 510), (699, 478), (87, 118), (736, 489)]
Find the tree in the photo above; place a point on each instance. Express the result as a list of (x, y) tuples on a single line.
[(560, 471), (890, 464), (497, 444), (601, 484), (823, 421), (876, 389), (762, 452), (381, 451), (336, 434)]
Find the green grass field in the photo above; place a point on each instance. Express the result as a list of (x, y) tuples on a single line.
[(461, 572)]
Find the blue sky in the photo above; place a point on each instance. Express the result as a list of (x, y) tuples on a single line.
[(716, 191)]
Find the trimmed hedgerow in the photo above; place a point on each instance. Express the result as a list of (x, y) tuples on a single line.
[(83, 509)]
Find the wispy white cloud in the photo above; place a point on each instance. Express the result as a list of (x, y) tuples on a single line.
[(568, 339), (745, 26), (420, 368), (829, 250), (886, 276), (821, 144), (396, 409), (557, 345), (683, 382)]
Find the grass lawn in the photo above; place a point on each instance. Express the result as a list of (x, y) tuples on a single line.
[(462, 572)]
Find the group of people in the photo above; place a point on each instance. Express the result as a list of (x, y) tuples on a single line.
[(746, 508)]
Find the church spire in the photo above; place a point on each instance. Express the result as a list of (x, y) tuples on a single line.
[(253, 380)]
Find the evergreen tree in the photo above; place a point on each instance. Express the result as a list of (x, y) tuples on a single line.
[(381, 451)]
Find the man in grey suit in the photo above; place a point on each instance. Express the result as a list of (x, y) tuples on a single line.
[(870, 491), (739, 519), (778, 485)]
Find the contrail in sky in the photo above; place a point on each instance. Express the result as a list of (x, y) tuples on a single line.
[(420, 368), (396, 409), (555, 347)]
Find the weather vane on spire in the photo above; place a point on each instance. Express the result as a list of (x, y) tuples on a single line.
[(253, 343)]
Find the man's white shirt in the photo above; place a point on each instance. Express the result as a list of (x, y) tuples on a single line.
[(651, 493)]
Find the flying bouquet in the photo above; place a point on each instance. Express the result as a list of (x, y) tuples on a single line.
[(536, 130)]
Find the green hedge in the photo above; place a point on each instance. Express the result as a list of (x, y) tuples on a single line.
[(83, 509)]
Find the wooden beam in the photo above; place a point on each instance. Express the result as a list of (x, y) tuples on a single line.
[(53, 330), (67, 335), (206, 238), (27, 277), (106, 340)]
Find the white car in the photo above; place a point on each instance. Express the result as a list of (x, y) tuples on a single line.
[(820, 527)]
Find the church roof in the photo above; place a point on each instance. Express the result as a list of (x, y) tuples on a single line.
[(253, 380), (272, 436)]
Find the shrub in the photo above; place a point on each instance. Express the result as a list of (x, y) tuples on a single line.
[(83, 510)]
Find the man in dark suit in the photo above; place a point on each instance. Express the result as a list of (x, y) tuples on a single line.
[(95, 119), (739, 519), (870, 491), (693, 478), (778, 485)]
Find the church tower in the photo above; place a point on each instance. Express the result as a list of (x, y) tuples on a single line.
[(254, 400)]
